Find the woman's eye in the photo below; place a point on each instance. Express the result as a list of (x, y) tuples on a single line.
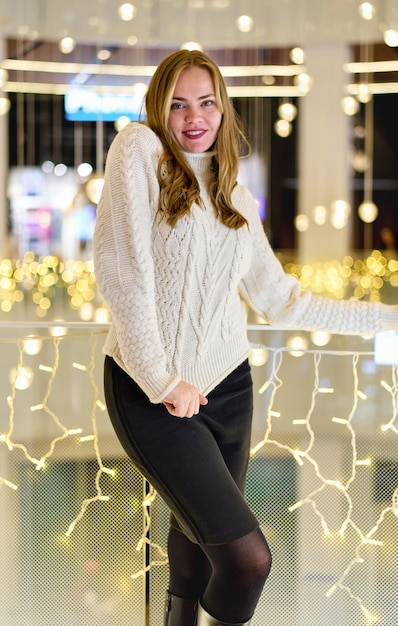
[(177, 105), (208, 103)]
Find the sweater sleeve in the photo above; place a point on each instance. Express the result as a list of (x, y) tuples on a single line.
[(280, 300), (123, 261)]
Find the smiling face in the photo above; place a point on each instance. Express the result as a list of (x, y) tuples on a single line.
[(194, 118)]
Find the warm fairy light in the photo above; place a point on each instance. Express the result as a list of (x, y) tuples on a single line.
[(320, 338), (94, 188), (283, 128), (99, 496), (350, 105), (301, 222), (43, 280), (296, 506), (386, 386), (32, 345), (258, 357), (58, 331), (67, 45), (274, 384), (43, 406), (297, 456), (297, 55), (319, 214), (102, 316), (368, 212), (299, 345), (127, 11), (7, 483), (338, 420), (367, 10), (392, 424), (79, 366), (372, 542), (244, 23), (331, 277), (109, 471), (339, 213), (325, 528), (287, 111), (256, 448), (45, 368), (74, 431), (191, 45), (146, 504), (22, 376), (37, 407), (390, 37), (303, 81)]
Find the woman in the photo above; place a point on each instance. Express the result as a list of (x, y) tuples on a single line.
[(176, 238)]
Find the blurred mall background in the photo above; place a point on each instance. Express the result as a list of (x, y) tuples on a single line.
[(316, 84)]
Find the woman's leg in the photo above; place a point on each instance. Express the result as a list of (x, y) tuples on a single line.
[(228, 579), (189, 567), (239, 571), (189, 572)]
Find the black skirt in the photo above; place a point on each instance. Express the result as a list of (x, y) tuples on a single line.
[(197, 465)]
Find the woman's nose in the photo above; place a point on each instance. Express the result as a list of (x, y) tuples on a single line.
[(192, 114)]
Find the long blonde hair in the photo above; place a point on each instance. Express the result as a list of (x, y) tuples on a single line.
[(178, 185)]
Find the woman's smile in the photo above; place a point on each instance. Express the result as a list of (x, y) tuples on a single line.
[(195, 118)]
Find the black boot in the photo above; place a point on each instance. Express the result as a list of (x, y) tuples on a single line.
[(205, 619), (179, 611)]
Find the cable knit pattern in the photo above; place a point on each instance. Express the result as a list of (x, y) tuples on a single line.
[(174, 292)]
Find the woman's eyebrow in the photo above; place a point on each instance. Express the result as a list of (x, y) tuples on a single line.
[(180, 98)]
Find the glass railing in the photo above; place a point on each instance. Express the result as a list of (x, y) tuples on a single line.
[(84, 537)]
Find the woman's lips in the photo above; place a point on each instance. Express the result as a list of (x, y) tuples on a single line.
[(194, 134)]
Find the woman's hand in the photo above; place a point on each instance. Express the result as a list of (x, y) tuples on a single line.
[(184, 400)]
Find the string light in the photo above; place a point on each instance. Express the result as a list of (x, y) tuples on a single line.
[(99, 496), (144, 540), (393, 391), (303, 455), (86, 438), (43, 280), (8, 483), (274, 383), (40, 464)]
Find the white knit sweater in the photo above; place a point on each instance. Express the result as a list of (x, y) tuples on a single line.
[(174, 292)]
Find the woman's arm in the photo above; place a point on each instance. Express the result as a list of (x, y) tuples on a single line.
[(279, 298), (122, 256)]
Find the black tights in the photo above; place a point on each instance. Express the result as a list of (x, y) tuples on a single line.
[(227, 578)]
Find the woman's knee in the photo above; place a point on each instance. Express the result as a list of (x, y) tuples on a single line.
[(262, 562), (248, 558), (255, 564)]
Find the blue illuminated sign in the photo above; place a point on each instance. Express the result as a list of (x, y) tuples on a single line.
[(83, 105)]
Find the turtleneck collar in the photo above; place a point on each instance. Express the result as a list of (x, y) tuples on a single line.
[(199, 161)]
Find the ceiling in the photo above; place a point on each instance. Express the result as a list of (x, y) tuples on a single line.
[(33, 28), (212, 22)]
